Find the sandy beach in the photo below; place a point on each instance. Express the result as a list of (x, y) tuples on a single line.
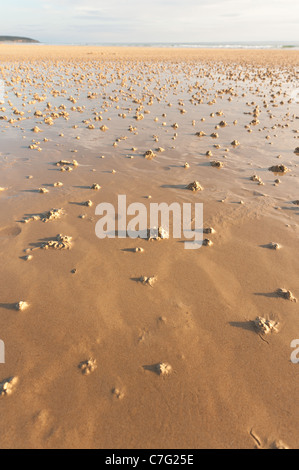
[(94, 356)]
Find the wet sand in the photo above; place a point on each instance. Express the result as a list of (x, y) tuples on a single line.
[(102, 360)]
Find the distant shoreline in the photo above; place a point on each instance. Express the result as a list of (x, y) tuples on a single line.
[(18, 40), (241, 45), (226, 46)]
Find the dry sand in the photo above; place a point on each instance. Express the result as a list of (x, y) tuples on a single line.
[(181, 364)]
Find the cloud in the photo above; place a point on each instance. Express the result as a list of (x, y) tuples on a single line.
[(155, 20)]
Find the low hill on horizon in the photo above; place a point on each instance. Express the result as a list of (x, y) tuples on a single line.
[(16, 39)]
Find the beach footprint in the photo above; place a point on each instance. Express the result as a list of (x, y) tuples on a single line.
[(10, 231)]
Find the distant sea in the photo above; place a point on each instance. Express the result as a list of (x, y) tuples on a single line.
[(196, 45)]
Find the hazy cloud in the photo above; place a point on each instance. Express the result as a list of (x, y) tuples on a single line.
[(152, 21)]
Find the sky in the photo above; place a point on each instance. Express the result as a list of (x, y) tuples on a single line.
[(148, 21)]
